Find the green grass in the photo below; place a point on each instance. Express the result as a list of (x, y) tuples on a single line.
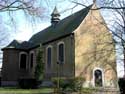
[(25, 91)]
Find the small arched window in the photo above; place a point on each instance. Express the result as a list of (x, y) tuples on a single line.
[(98, 78), (31, 60), (49, 57), (23, 60), (61, 52)]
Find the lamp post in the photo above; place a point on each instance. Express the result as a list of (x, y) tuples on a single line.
[(59, 63), (58, 77)]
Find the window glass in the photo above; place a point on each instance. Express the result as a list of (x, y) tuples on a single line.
[(23, 58), (31, 60), (49, 57), (98, 78), (61, 53)]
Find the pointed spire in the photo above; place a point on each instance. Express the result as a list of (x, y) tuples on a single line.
[(94, 1), (55, 16), (55, 12)]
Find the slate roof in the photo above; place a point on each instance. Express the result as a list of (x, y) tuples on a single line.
[(17, 44), (63, 27)]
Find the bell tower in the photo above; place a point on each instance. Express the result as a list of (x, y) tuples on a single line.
[(55, 16)]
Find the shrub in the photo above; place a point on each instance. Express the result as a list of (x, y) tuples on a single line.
[(78, 83), (89, 90), (69, 84), (39, 69), (27, 83), (64, 83), (122, 85)]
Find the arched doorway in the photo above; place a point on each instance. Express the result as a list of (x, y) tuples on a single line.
[(98, 80)]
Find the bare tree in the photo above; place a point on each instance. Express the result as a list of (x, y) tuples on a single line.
[(119, 26), (29, 6), (104, 4), (32, 9), (117, 23)]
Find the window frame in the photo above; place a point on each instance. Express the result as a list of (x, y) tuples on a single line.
[(49, 46), (20, 60), (61, 42), (31, 52), (102, 76)]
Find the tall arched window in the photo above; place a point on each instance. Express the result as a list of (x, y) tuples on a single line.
[(98, 78), (31, 59), (49, 57), (23, 60), (61, 52)]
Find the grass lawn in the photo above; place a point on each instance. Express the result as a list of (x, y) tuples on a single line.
[(25, 91)]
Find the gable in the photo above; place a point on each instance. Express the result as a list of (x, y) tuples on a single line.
[(93, 44)]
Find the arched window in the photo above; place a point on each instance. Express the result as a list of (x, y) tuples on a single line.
[(61, 52), (23, 60), (31, 59), (49, 56), (98, 78)]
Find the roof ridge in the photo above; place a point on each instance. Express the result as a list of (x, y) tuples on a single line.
[(78, 11), (63, 27)]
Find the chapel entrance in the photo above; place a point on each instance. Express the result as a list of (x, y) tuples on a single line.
[(98, 78)]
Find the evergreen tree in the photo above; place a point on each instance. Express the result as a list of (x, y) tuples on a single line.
[(39, 70)]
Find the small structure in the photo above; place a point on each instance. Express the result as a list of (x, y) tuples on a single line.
[(80, 43)]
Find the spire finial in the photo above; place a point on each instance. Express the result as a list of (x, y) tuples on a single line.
[(94, 1), (55, 12), (55, 16)]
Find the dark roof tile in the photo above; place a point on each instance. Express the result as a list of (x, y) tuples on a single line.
[(17, 44), (63, 27)]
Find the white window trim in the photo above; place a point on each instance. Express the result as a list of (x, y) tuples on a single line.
[(61, 42), (31, 52), (49, 46), (102, 76), (26, 59)]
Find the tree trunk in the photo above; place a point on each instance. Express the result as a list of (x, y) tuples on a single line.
[(124, 62)]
